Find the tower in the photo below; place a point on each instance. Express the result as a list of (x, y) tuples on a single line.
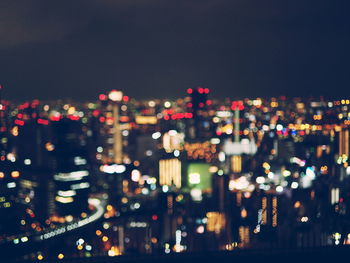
[(199, 128)]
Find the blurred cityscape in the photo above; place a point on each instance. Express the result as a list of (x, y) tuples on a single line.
[(119, 176)]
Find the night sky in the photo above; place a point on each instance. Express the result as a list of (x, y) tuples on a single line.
[(158, 48)]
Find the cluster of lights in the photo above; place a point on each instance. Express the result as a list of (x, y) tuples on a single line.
[(200, 90)]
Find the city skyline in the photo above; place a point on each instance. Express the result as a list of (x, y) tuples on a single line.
[(123, 177), (169, 131)]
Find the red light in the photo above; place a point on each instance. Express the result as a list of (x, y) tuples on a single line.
[(200, 90), (74, 118), (341, 200), (302, 133), (201, 105), (20, 116), (166, 117), (189, 91), (209, 102), (171, 111), (218, 133), (173, 117), (102, 119), (19, 122), (102, 97), (95, 113), (124, 118), (189, 105), (55, 118), (154, 217), (206, 90), (42, 121), (125, 98)]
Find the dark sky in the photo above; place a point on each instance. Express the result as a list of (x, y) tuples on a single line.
[(159, 48)]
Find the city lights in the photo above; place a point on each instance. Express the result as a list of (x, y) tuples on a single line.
[(172, 176)]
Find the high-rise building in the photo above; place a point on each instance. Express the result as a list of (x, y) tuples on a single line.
[(170, 172), (344, 142), (71, 172), (199, 127)]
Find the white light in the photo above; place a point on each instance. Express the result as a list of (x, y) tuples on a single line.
[(196, 194), (167, 104), (310, 172), (136, 205), (119, 168), (145, 191), (79, 161), (67, 193), (11, 157), (99, 149), (88, 247), (279, 189), (294, 185), (304, 219), (260, 180), (115, 95), (178, 239), (24, 239), (135, 175), (27, 162), (176, 153), (286, 173), (200, 229), (215, 141), (223, 114), (222, 156), (238, 184), (138, 224), (64, 200), (114, 168), (80, 186), (156, 135), (279, 127), (165, 188), (172, 132), (194, 178), (80, 241), (73, 176), (11, 185)]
